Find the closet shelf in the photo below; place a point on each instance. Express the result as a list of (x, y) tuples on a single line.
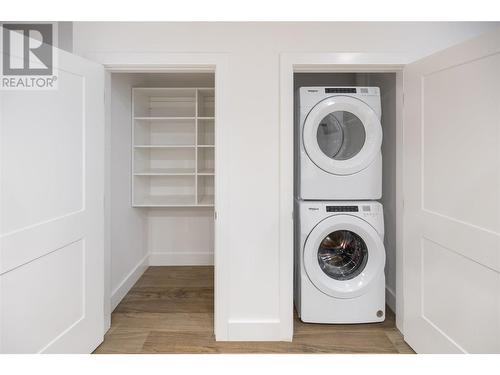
[(165, 172), (163, 118), (173, 88), (164, 146), (206, 200), (166, 201), (173, 147), (178, 201)]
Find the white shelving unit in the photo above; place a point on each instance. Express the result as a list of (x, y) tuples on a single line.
[(173, 147)]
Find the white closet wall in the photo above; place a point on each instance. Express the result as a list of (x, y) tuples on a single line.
[(181, 236), (128, 226), (156, 236)]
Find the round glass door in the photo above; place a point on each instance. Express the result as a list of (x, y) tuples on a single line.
[(341, 135), (342, 255), (336, 257)]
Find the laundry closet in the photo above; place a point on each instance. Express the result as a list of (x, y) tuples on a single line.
[(340, 83), (160, 173)]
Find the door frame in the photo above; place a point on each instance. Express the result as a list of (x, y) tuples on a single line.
[(342, 62), (151, 62)]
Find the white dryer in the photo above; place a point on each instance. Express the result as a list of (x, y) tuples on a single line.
[(339, 143), (340, 260)]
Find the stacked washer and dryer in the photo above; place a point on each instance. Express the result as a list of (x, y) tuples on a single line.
[(339, 225)]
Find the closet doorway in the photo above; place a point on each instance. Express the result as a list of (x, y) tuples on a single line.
[(162, 182)]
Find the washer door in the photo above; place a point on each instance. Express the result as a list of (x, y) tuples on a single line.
[(343, 254), (342, 135)]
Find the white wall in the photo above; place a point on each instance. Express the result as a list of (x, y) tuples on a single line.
[(181, 236), (128, 226), (253, 157)]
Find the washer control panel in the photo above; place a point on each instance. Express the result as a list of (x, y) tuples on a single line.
[(349, 90)]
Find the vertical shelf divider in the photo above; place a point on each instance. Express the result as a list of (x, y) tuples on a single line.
[(132, 162), (196, 198)]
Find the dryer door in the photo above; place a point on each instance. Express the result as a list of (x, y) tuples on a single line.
[(342, 135), (343, 254)]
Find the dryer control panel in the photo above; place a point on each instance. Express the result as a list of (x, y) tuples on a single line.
[(340, 90), (342, 209)]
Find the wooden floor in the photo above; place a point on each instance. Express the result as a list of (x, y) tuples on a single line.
[(170, 310)]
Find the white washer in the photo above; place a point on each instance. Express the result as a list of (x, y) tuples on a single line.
[(340, 143), (340, 259)]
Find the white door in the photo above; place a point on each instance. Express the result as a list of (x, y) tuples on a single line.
[(51, 254), (452, 199)]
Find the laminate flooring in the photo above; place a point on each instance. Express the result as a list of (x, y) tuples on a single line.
[(170, 310)]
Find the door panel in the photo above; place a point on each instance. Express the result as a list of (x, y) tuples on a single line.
[(51, 255), (479, 285), (31, 197), (60, 277), (452, 199), (460, 131)]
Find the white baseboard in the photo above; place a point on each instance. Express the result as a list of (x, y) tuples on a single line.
[(185, 258), (254, 330), (390, 298), (128, 282)]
